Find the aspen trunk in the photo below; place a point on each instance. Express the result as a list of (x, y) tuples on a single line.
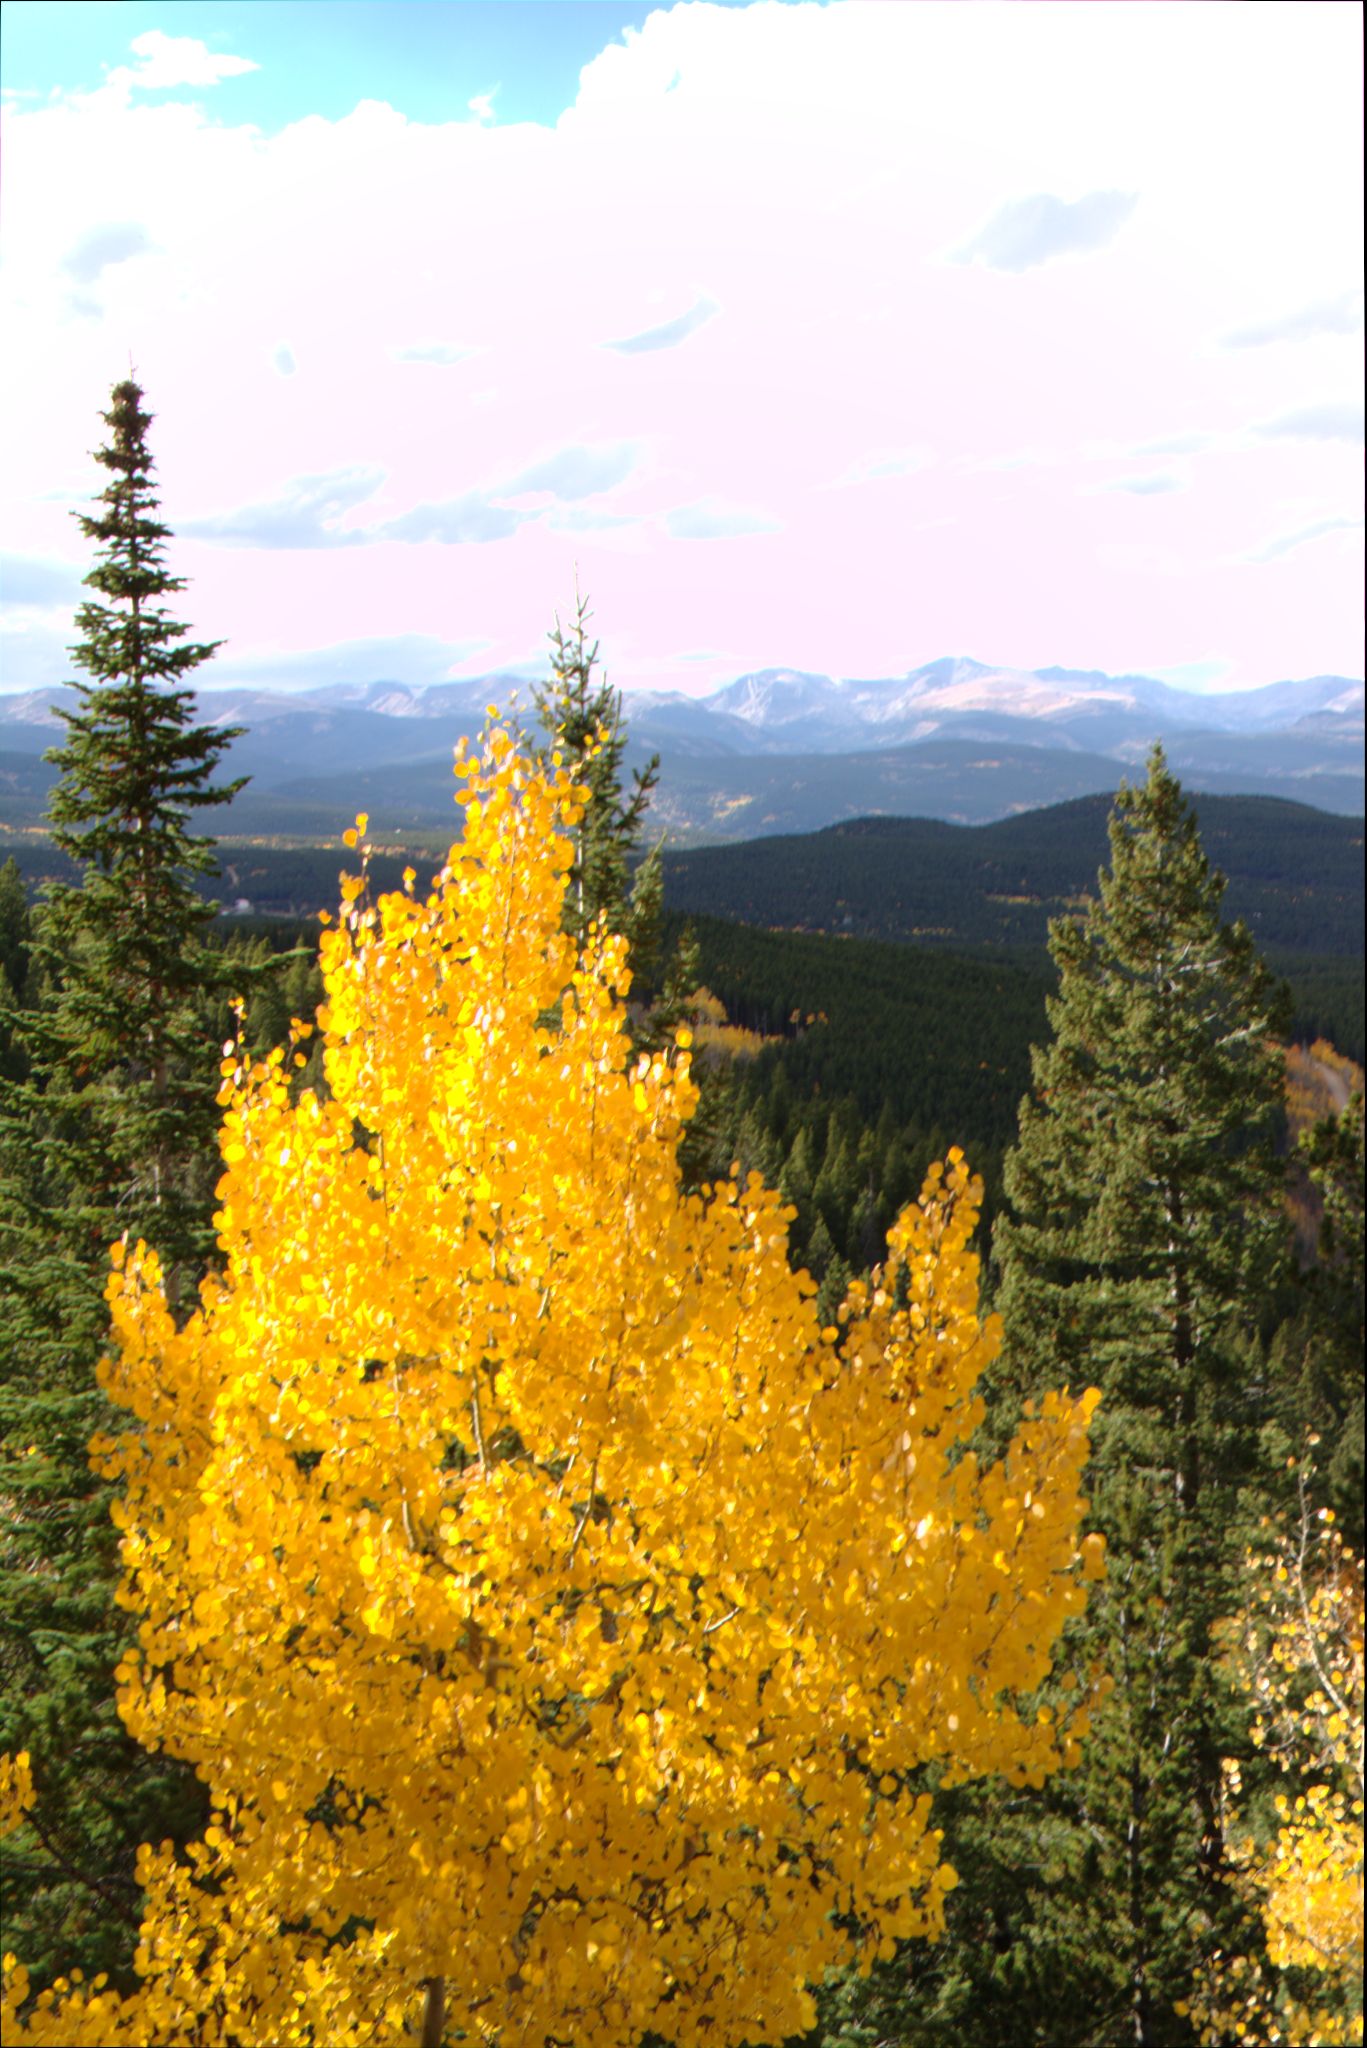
[(434, 2012)]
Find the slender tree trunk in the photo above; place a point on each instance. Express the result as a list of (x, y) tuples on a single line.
[(434, 2013), (1139, 1974)]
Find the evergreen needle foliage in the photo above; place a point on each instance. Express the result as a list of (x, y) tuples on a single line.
[(108, 1128), (1144, 1238), (1144, 1235), (581, 715)]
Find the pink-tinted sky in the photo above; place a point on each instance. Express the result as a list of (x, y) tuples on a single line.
[(840, 337)]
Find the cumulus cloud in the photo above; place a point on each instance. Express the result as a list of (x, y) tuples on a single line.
[(706, 521), (1335, 420), (443, 352), (482, 105), (1028, 232), (670, 334), (30, 583), (177, 60), (1342, 315), (305, 514), (471, 517), (578, 472), (112, 242), (1284, 543)]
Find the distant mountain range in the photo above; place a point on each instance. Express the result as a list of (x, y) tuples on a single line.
[(781, 750)]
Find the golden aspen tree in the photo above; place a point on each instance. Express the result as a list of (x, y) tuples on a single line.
[(1298, 1652), (565, 1623)]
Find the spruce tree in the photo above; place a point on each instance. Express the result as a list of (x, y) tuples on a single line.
[(1144, 1235), (582, 717), (110, 1130)]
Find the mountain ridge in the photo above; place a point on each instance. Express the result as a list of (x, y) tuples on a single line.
[(778, 749)]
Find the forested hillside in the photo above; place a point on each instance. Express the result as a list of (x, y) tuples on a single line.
[(573, 1475), (1295, 875)]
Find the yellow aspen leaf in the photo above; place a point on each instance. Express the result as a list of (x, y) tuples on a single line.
[(554, 1546)]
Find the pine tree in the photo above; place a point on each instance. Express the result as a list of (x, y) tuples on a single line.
[(1144, 1234), (111, 1130), (582, 717), (1331, 1331), (16, 938)]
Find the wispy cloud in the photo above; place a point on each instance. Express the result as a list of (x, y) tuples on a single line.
[(442, 352), (670, 334), (305, 514), (704, 520), (1155, 486), (887, 463), (581, 519), (1028, 232), (412, 658), (30, 583), (1284, 543), (576, 472), (1342, 315), (308, 512), (112, 242), (1190, 442), (1335, 420), (473, 517)]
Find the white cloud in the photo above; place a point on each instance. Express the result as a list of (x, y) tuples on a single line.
[(111, 242), (303, 515), (178, 60), (574, 473), (1156, 485), (1027, 232), (1342, 315), (440, 352), (1286, 543), (31, 583), (670, 333), (472, 517), (705, 520), (411, 658), (874, 468), (1334, 420), (804, 164)]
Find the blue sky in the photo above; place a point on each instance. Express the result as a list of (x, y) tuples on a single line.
[(834, 336), (425, 58)]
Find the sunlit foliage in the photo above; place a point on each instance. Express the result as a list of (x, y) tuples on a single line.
[(558, 1613), (1298, 1651)]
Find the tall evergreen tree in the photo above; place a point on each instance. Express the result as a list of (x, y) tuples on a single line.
[(111, 1130), (1144, 1236), (582, 716)]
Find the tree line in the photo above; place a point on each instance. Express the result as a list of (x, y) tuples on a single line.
[(560, 1521)]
